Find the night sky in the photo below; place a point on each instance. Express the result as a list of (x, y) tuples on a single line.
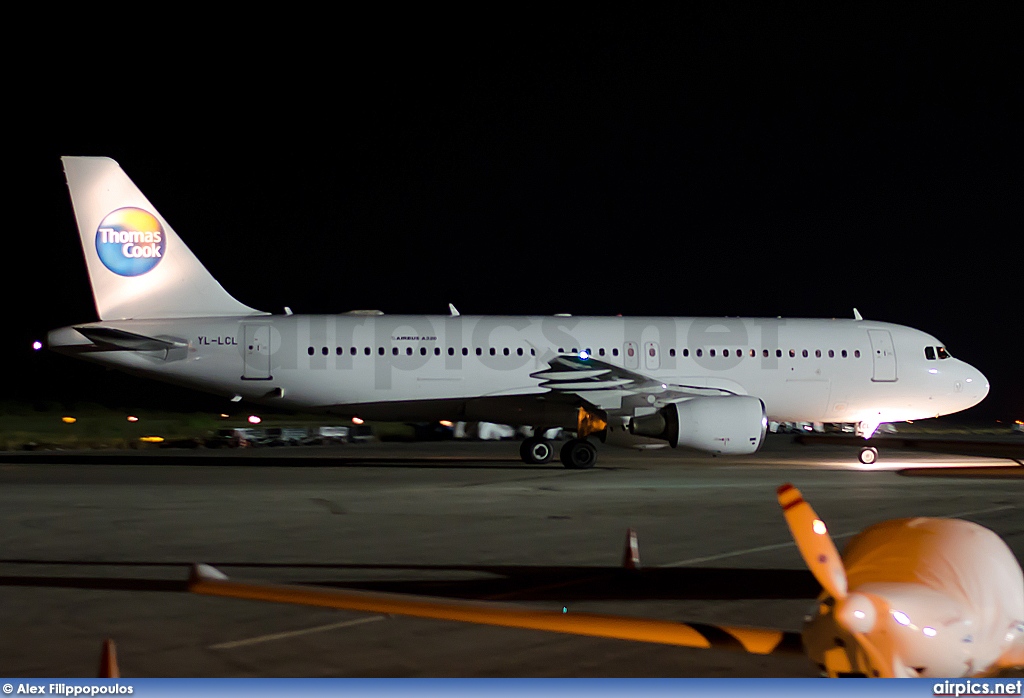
[(708, 159)]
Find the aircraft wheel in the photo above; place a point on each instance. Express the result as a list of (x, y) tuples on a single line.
[(868, 455), (578, 454), (536, 450)]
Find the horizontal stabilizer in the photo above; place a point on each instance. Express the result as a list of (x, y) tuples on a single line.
[(129, 341)]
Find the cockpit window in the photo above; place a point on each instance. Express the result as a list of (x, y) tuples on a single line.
[(929, 353), (943, 354)]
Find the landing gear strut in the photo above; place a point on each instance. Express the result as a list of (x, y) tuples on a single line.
[(536, 450)]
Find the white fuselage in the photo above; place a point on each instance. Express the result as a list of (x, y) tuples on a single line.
[(424, 367)]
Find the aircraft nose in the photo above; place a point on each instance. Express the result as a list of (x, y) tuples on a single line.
[(974, 385)]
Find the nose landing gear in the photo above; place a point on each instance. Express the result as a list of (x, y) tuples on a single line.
[(868, 455)]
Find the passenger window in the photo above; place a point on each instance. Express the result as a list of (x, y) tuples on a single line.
[(831, 354), (711, 352), (700, 352), (479, 351), (394, 351), (615, 351), (805, 353), (451, 351), (778, 353), (601, 351), (437, 351), (686, 352), (492, 351), (325, 351), (764, 353), (671, 352), (519, 351), (380, 350), (465, 351), (856, 353), (844, 353), (792, 353), (725, 352), (817, 353), (310, 351), (366, 350), (754, 353), (423, 351), (929, 353)]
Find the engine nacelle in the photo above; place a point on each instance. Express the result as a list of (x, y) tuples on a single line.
[(734, 424)]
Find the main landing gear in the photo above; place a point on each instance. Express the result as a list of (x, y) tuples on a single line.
[(576, 453)]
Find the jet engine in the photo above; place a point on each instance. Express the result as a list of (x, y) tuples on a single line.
[(734, 424)]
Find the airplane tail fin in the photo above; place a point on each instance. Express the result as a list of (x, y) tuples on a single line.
[(138, 266)]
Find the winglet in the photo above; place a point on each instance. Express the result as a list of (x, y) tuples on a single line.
[(108, 661), (857, 315), (451, 308), (631, 554)]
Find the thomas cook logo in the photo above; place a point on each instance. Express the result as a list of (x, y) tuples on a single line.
[(130, 241)]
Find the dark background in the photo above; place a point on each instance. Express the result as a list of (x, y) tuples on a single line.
[(707, 159)]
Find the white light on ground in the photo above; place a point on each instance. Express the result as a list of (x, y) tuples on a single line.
[(253, 419), (357, 420), (132, 418), (37, 345)]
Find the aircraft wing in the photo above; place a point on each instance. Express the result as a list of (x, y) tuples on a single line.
[(595, 380), (209, 581)]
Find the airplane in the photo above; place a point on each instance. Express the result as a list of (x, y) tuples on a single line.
[(706, 383), (910, 598)]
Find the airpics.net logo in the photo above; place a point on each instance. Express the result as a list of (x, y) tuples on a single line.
[(130, 241)]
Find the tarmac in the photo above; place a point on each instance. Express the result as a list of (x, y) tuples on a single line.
[(99, 544)]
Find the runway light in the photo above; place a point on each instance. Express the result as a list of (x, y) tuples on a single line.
[(132, 418), (68, 420), (446, 423), (37, 345), (224, 415), (253, 419), (357, 420), (819, 527), (151, 439)]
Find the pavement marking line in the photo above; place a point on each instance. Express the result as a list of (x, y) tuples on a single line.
[(787, 544), (294, 633)]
